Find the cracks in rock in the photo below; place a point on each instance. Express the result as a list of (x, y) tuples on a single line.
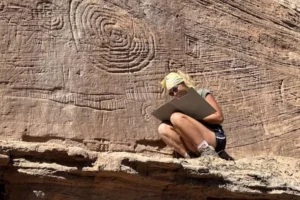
[(165, 178), (243, 10), (61, 158), (290, 24), (106, 102), (263, 140), (154, 143), (175, 172), (28, 138), (265, 189), (3, 182), (48, 153), (58, 165)]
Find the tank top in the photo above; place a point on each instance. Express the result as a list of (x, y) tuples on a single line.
[(203, 93)]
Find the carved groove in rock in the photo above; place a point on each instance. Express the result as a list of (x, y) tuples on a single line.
[(105, 103), (191, 46), (116, 42), (48, 16), (3, 6), (244, 53), (43, 15)]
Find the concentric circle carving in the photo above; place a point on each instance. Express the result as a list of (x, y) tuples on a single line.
[(114, 41)]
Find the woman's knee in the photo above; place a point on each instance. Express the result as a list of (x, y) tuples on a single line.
[(163, 129), (177, 118)]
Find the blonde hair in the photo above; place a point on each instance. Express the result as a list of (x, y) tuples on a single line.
[(188, 81), (174, 78)]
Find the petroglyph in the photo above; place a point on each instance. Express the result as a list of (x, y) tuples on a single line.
[(41, 15), (3, 5), (98, 102), (48, 16), (86, 69), (142, 93), (191, 46), (290, 91), (100, 145), (146, 110), (115, 41)]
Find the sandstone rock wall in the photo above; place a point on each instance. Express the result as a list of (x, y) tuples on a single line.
[(34, 171), (86, 72)]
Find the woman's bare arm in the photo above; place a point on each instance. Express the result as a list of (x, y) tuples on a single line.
[(217, 117)]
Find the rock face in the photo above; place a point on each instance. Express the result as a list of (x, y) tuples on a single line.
[(88, 70), (51, 171), (83, 75)]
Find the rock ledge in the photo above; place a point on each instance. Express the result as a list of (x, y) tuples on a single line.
[(52, 171)]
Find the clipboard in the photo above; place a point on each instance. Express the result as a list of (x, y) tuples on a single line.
[(191, 104)]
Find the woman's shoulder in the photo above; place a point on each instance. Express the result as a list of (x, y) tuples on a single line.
[(203, 92)]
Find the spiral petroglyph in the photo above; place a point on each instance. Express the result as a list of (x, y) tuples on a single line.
[(114, 41), (146, 110), (48, 16)]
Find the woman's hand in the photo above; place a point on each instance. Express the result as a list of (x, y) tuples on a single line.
[(217, 117)]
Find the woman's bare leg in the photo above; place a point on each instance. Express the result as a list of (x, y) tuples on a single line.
[(192, 130), (188, 145), (172, 139)]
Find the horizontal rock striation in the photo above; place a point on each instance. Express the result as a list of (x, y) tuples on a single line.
[(51, 171), (88, 71), (80, 78)]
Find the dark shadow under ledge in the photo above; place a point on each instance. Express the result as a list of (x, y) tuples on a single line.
[(54, 171)]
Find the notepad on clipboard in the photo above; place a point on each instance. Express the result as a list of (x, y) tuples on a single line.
[(191, 104)]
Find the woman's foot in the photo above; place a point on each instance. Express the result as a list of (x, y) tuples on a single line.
[(208, 151)]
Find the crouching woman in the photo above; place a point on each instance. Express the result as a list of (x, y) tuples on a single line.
[(187, 136)]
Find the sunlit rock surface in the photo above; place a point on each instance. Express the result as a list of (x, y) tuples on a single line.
[(51, 171), (83, 74)]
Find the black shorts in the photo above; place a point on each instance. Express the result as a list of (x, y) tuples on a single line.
[(220, 138), (218, 130)]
